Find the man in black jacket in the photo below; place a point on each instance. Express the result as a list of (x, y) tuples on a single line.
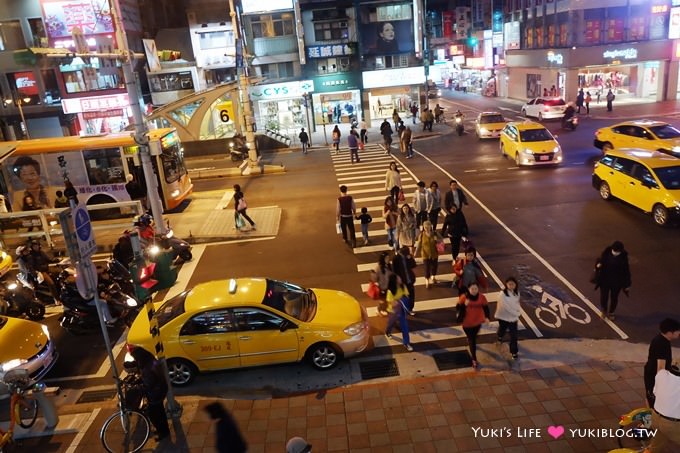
[(455, 196), (386, 132), (613, 276)]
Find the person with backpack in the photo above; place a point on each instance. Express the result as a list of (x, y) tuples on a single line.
[(426, 247), (397, 297), (336, 138), (468, 270), (304, 140)]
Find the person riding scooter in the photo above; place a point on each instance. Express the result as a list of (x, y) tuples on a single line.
[(458, 118), (144, 227), (569, 113)]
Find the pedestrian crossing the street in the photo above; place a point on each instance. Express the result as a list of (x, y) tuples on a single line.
[(435, 303)]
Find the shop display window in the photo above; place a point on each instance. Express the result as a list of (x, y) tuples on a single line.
[(638, 27), (288, 114), (49, 78), (174, 81), (615, 30), (11, 36), (530, 37), (80, 77)]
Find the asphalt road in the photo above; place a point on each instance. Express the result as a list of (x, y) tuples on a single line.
[(544, 225)]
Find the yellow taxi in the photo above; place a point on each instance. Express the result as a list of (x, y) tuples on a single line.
[(530, 143), (25, 344), (5, 262), (253, 321), (642, 134), (648, 180), (489, 125)]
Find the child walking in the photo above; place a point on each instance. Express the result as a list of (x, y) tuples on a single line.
[(365, 219)]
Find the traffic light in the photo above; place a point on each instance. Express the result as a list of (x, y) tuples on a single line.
[(472, 41)]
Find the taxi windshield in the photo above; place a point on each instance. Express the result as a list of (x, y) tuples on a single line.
[(669, 177), (171, 309), (535, 135), (487, 119), (294, 300), (665, 131)]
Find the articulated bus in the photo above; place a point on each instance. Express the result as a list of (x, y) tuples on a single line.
[(97, 166)]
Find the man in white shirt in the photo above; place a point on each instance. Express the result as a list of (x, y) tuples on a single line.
[(666, 414)]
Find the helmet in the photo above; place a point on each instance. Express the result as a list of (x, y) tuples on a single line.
[(20, 249), (144, 219)]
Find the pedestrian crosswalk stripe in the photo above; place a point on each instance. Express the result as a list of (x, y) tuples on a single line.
[(437, 334), (371, 249), (363, 165), (438, 304), (443, 258), (380, 189), (359, 201), (373, 180), (374, 171)]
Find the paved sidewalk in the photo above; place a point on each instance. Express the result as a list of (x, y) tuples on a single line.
[(577, 389)]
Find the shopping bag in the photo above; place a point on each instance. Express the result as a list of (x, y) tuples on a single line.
[(440, 247), (401, 196), (361, 146), (239, 221), (338, 229), (373, 291)]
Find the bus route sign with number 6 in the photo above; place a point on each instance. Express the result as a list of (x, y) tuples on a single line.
[(226, 109)]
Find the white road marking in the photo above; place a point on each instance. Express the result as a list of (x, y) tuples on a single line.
[(75, 443), (536, 255), (438, 334)]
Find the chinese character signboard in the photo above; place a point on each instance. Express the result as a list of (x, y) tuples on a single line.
[(331, 50), (61, 16)]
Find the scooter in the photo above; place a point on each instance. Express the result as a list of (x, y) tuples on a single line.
[(17, 301), (38, 286), (570, 123), (460, 128), (238, 148), (180, 248)]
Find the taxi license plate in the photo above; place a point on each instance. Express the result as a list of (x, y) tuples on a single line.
[(544, 157)]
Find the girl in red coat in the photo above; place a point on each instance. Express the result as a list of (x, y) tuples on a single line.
[(473, 308)]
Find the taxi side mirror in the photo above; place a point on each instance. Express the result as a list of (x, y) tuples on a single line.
[(285, 325)]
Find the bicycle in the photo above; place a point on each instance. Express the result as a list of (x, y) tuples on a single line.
[(128, 429), (23, 407)]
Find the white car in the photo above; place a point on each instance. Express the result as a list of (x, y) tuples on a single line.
[(544, 108)]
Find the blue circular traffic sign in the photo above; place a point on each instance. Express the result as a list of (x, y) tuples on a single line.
[(83, 225)]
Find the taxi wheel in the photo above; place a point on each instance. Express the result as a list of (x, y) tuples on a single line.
[(540, 116), (605, 191), (518, 162), (524, 113), (323, 356), (181, 372), (607, 147), (660, 215), (503, 150)]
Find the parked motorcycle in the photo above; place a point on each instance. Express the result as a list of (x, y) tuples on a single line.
[(16, 300), (460, 128)]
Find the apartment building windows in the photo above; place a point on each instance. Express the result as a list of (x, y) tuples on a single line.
[(38, 34), (271, 25), (332, 65), (215, 40), (391, 61), (329, 31), (11, 37), (277, 70)]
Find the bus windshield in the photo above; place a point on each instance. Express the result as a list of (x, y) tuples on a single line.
[(172, 158)]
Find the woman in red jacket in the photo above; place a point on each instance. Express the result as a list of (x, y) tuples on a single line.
[(473, 308)]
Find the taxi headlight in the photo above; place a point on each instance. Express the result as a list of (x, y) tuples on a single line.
[(355, 329), (3, 255), (483, 130), (11, 364), (45, 330), (557, 150), (527, 151)]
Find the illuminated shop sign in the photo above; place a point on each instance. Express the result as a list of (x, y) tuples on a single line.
[(282, 90), (626, 54), (95, 103), (252, 6), (335, 50), (394, 77), (674, 25), (25, 83), (556, 58)]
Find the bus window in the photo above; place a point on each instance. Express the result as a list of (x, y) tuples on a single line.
[(173, 162), (104, 166)]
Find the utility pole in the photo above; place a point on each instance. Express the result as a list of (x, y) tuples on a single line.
[(142, 140), (140, 134), (246, 110)]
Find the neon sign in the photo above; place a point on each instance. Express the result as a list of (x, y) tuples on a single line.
[(626, 54)]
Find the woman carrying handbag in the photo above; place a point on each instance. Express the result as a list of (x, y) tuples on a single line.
[(397, 298), (428, 244)]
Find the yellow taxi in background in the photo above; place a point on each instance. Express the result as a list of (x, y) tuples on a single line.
[(5, 262), (253, 321), (25, 344), (642, 134), (649, 180), (489, 124), (530, 143)]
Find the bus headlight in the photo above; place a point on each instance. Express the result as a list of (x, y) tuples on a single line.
[(174, 193)]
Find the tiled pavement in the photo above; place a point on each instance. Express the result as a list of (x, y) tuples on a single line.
[(429, 414)]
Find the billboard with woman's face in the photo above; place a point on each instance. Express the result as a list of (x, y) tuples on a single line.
[(386, 31)]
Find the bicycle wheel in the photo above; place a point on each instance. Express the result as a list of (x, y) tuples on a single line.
[(125, 432), (26, 411)]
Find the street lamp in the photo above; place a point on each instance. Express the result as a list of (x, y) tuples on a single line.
[(16, 100)]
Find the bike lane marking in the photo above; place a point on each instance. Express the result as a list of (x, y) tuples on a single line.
[(533, 252)]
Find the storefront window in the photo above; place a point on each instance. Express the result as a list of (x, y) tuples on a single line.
[(38, 32), (286, 114), (638, 27), (348, 104), (539, 36), (52, 95), (11, 37), (104, 166), (174, 81), (393, 12), (183, 114), (24, 87), (79, 77)]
